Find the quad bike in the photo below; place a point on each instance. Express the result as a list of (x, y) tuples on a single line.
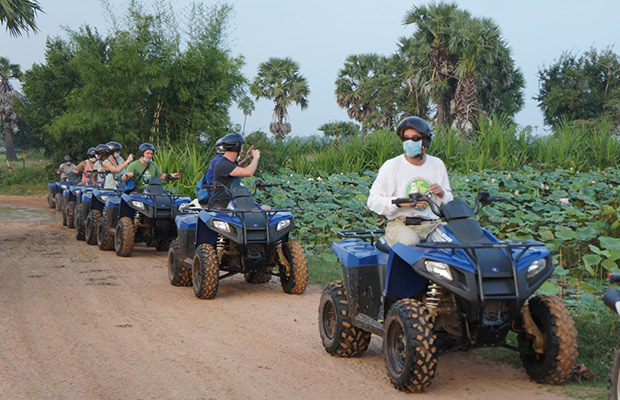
[(83, 199), (141, 217), (213, 244), (612, 300), (461, 288), (54, 194), (70, 199)]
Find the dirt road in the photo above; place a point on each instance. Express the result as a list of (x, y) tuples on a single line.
[(80, 323)]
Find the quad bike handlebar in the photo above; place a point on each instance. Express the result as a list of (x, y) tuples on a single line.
[(414, 198)]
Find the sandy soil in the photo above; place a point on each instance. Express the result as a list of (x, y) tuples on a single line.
[(80, 323)]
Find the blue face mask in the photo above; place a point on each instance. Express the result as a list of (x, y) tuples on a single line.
[(412, 149), (146, 161)]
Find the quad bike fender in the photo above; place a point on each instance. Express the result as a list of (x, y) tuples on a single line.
[(180, 200), (402, 280), (204, 233)]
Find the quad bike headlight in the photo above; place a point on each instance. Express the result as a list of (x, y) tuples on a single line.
[(283, 224), (536, 267), (137, 204), (64, 186), (221, 226), (439, 269), (104, 197)]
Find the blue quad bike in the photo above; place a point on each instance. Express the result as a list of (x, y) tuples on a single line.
[(213, 244), (71, 196), (83, 198), (140, 217), (55, 193), (461, 288), (612, 300)]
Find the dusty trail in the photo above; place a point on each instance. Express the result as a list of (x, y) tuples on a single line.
[(80, 323)]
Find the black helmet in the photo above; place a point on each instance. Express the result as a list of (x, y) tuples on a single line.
[(219, 148), (102, 150), (114, 146), (144, 147), (232, 142), (90, 152), (419, 125)]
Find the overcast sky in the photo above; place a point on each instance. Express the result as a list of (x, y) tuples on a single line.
[(320, 34)]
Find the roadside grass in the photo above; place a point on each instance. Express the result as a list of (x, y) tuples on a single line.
[(31, 181)]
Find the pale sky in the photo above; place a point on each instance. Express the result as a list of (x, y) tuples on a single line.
[(320, 34)]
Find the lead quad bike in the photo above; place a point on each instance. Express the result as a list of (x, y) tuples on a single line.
[(461, 288), (143, 217), (214, 244), (55, 193)]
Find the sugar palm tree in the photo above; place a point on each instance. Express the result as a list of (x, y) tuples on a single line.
[(7, 96), (279, 80), (247, 106), (19, 15)]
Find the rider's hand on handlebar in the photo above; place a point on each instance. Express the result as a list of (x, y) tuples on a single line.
[(436, 189)]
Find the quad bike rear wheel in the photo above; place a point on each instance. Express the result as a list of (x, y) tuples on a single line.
[(205, 272), (178, 273), (105, 240), (93, 219), (70, 212), (124, 237), (162, 244), (339, 336), (614, 377), (409, 346), (258, 277), (78, 223), (295, 280), (555, 362), (58, 201), (64, 215)]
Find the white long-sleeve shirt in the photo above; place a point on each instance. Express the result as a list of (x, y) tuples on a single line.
[(398, 178)]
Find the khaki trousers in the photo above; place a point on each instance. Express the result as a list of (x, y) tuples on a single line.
[(397, 232)]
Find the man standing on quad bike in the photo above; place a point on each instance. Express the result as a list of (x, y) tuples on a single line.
[(65, 170), (113, 162), (413, 171), (87, 167), (141, 170), (227, 171)]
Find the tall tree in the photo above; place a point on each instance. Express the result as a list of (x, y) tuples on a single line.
[(19, 15), (279, 80), (462, 63), (247, 106), (8, 95), (581, 87)]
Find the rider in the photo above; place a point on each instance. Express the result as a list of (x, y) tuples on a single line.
[(413, 171), (141, 170), (65, 170), (114, 163), (227, 172), (86, 167)]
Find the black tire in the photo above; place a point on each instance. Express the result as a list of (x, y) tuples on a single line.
[(58, 201), (124, 237), (409, 346), (297, 280), (64, 214), (178, 273), (78, 223), (70, 212), (105, 240), (557, 362), (162, 245), (258, 277), (614, 377), (50, 200), (91, 225), (205, 272), (340, 338)]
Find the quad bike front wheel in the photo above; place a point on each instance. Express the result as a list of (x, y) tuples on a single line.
[(554, 360), (58, 201), (64, 215), (205, 272), (105, 240), (340, 338), (124, 237), (93, 219), (294, 276), (50, 200), (409, 346), (70, 212), (78, 223), (178, 273), (614, 377)]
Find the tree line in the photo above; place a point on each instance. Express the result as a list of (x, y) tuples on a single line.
[(150, 80)]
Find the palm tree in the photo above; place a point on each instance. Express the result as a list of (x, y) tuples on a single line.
[(279, 80), (247, 106), (19, 15), (7, 96)]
